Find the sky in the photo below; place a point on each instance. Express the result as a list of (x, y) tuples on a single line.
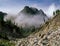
[(15, 6)]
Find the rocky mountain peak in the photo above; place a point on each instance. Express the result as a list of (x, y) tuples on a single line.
[(29, 10)]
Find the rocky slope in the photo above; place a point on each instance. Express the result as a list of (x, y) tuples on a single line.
[(47, 35)]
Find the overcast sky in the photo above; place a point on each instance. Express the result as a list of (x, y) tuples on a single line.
[(14, 6)]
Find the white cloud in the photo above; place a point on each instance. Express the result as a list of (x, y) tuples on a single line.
[(17, 8), (11, 9), (50, 10)]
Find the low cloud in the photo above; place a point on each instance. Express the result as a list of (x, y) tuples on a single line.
[(50, 10), (26, 20), (47, 9)]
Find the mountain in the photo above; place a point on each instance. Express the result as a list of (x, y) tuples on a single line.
[(32, 17), (29, 10), (47, 35), (32, 11)]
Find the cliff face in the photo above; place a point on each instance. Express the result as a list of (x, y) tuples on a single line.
[(47, 35)]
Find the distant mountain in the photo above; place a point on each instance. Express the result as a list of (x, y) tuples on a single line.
[(32, 11), (37, 16), (29, 10)]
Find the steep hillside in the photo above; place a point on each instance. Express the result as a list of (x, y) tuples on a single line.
[(47, 35)]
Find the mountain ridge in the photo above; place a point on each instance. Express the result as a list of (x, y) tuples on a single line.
[(31, 10), (33, 15)]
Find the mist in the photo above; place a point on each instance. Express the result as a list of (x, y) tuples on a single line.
[(25, 20), (30, 20), (50, 10)]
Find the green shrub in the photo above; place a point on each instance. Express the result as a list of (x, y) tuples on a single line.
[(6, 43)]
